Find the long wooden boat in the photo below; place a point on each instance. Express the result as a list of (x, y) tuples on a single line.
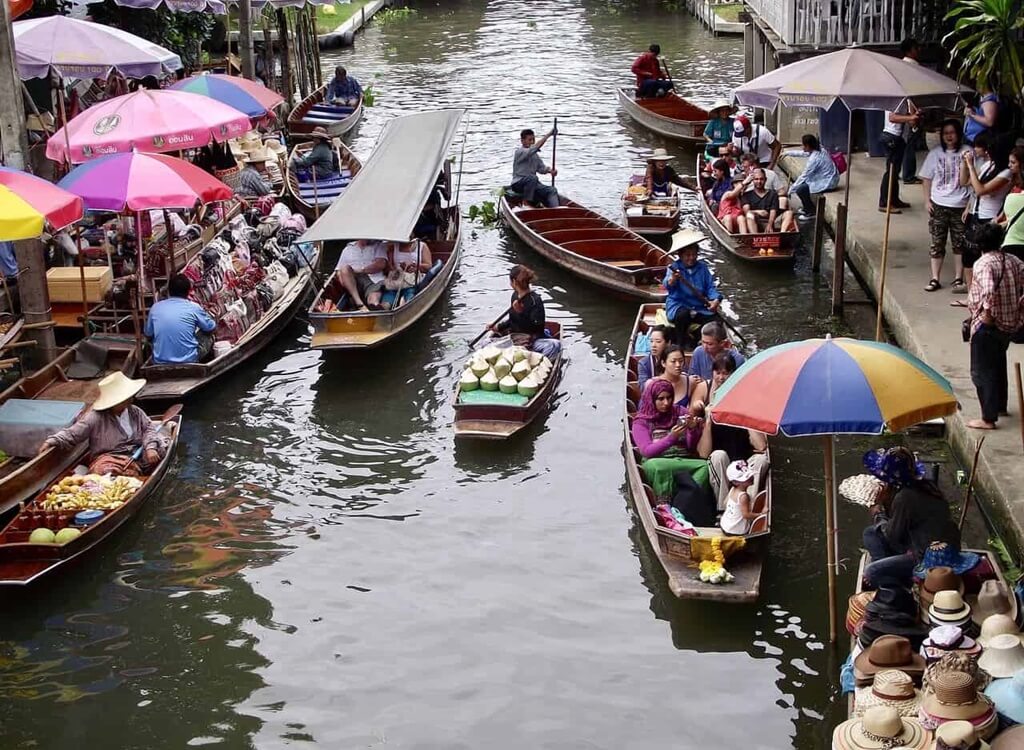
[(313, 112), (10, 332), (762, 247), (176, 381), (671, 115), (23, 563), (672, 549), (500, 421), (24, 473), (649, 215), (594, 248), (310, 199)]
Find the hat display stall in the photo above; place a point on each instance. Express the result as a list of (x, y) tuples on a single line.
[(1009, 739), (955, 735), (945, 639), (116, 388), (994, 598), (892, 688), (880, 728), (862, 489), (955, 697), (940, 554), (994, 625), (888, 652), (949, 608), (1003, 655), (1008, 695)]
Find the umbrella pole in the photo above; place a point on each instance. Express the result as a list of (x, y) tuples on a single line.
[(830, 533), (885, 253), (64, 119), (140, 299), (316, 197), (172, 267), (849, 156), (81, 278)]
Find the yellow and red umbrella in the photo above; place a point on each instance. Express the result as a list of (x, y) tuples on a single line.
[(28, 204)]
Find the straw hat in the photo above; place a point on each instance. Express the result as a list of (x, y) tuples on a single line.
[(275, 146), (115, 389), (1008, 695), (997, 625), (660, 154), (1003, 655), (949, 608), (880, 728), (958, 735), (955, 697), (236, 148), (319, 132), (1009, 739), (888, 652), (721, 104), (892, 688), (855, 610), (258, 155), (250, 141), (941, 578), (995, 598), (862, 489)]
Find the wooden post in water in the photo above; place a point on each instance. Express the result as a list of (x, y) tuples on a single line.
[(819, 234), (830, 532), (838, 271), (287, 87)]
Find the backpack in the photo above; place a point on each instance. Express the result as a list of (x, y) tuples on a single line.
[(839, 159)]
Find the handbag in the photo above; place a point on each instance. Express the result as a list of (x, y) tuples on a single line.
[(399, 279)]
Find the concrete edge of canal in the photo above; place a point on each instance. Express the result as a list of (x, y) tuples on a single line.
[(347, 29)]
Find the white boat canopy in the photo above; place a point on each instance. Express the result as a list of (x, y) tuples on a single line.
[(385, 199)]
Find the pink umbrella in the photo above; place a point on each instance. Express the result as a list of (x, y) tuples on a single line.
[(147, 120)]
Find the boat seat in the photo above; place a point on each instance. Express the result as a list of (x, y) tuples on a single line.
[(633, 391), (760, 502), (760, 524), (333, 108), (625, 263)]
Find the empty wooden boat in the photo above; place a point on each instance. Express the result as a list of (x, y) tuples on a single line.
[(675, 551), (313, 197), (314, 112), (587, 244), (493, 415), (23, 562), (670, 115), (760, 247), (381, 208), (649, 215)]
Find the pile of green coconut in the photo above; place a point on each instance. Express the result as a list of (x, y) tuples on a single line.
[(510, 370)]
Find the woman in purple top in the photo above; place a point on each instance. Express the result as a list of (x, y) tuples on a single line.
[(666, 436)]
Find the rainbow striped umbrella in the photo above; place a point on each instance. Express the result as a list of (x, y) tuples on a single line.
[(832, 386), (28, 203), (253, 98)]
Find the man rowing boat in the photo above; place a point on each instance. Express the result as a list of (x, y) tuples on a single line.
[(648, 71), (527, 164)]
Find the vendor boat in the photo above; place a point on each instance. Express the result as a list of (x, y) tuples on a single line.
[(378, 208), (312, 197), (678, 553), (493, 415), (313, 112), (649, 215), (46, 401), (671, 115), (23, 562), (590, 246), (761, 247)]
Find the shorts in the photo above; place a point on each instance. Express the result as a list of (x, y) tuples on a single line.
[(945, 220), (729, 207), (367, 286)]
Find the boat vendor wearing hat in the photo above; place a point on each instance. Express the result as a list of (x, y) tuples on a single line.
[(650, 80), (908, 514), (114, 429), (320, 157), (527, 164), (660, 175), (343, 89), (719, 130), (693, 298), (253, 181)]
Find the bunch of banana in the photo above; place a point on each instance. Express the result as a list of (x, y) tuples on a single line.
[(90, 491)]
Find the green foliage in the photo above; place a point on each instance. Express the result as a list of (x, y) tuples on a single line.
[(391, 15), (486, 213), (369, 96), (985, 43), (182, 33)]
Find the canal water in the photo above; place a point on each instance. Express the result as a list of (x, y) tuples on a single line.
[(325, 566)]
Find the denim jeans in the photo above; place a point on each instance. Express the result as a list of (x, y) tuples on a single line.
[(650, 88), (886, 563), (895, 147), (804, 193)]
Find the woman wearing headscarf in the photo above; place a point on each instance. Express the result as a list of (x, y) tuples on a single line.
[(667, 436), (908, 515)]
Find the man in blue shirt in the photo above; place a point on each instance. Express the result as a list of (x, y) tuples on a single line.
[(342, 89), (713, 341), (180, 330), (692, 296)]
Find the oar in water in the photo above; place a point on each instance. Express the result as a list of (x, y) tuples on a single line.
[(487, 330), (668, 72), (554, 149), (164, 421)]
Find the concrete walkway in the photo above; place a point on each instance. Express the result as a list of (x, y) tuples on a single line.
[(924, 324)]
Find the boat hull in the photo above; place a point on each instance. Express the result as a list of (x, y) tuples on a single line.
[(311, 206), (686, 123), (301, 122)]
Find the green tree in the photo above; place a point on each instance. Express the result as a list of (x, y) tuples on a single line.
[(985, 42)]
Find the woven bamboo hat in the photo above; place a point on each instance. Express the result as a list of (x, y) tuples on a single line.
[(660, 154), (855, 610), (892, 688), (1003, 655), (258, 155), (319, 132), (862, 489), (721, 104), (958, 735), (115, 389), (880, 728), (955, 696)]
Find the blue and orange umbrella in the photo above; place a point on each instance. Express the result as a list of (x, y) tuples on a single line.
[(253, 98)]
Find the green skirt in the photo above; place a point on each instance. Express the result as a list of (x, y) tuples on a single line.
[(659, 473)]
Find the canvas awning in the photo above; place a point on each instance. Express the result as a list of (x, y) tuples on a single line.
[(385, 199)]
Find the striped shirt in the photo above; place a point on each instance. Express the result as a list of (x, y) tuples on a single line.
[(251, 182), (997, 287)]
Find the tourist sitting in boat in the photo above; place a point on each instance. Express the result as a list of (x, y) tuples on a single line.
[(432, 223), (713, 341), (738, 514), (721, 444), (651, 80), (320, 158), (343, 89), (115, 430), (360, 271), (666, 435), (820, 173), (761, 208), (691, 391), (724, 197), (908, 514), (527, 164), (650, 366), (757, 140), (180, 330), (253, 181), (526, 319), (660, 175), (693, 298), (407, 263), (718, 132), (773, 181)]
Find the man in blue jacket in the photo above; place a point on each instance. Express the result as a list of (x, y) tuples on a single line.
[(693, 299)]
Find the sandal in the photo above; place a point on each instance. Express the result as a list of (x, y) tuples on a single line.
[(958, 286), (933, 285), (958, 303)]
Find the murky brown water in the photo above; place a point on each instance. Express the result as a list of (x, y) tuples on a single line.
[(325, 566)]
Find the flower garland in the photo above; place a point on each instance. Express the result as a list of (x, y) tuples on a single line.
[(713, 571)]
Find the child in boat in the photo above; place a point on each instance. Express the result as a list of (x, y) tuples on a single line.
[(738, 514)]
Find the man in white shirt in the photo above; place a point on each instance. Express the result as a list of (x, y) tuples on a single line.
[(756, 139), (913, 135), (360, 270), (895, 147)]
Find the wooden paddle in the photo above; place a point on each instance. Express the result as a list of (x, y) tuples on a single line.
[(970, 483), (168, 415), (725, 321), (554, 149), (487, 330), (668, 72)]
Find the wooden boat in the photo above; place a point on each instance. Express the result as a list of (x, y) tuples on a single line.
[(23, 563), (649, 215), (176, 381), (587, 244), (24, 473), (670, 115), (498, 421), (313, 112), (378, 208), (672, 549), (10, 332), (761, 247), (313, 199)]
